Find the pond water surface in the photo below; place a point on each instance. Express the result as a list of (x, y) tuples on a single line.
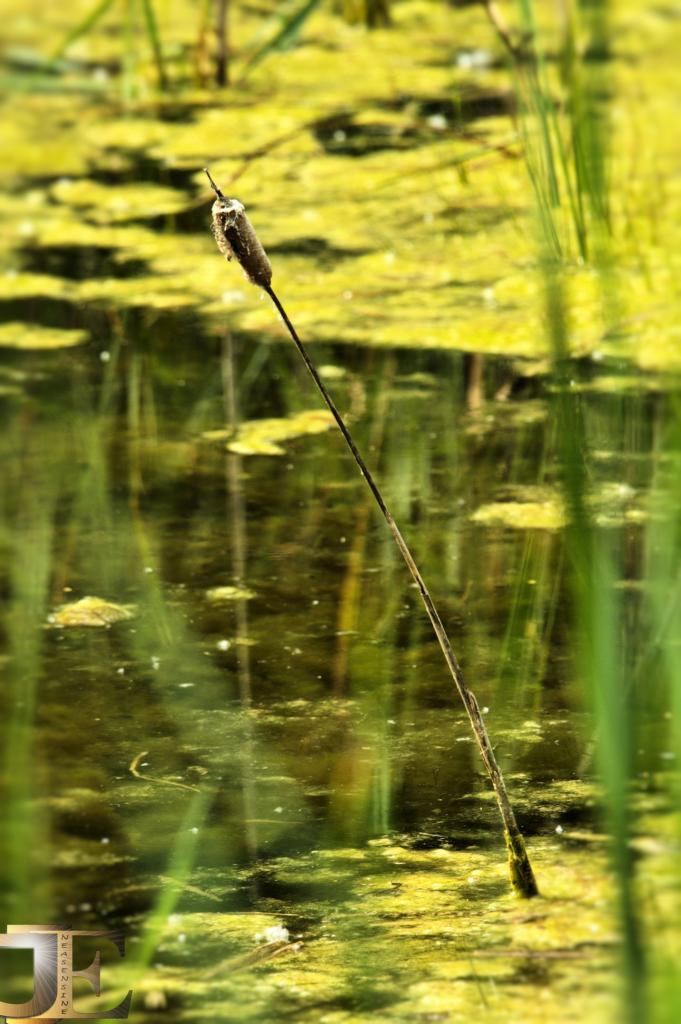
[(247, 751)]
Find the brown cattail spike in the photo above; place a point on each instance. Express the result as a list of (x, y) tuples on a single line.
[(235, 236)]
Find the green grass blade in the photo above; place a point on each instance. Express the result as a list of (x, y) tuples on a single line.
[(287, 34), (155, 40), (83, 27), (39, 83)]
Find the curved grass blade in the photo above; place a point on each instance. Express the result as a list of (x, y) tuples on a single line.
[(155, 40), (287, 34), (83, 27), (36, 82)]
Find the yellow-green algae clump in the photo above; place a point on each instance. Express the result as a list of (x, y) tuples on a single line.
[(264, 437), (90, 611), (409, 932), (425, 238), (34, 337)]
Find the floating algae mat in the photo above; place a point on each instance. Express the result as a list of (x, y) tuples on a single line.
[(394, 935), (402, 927), (265, 437), (396, 219), (31, 337), (90, 611)]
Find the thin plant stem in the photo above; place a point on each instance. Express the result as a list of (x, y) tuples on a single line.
[(503, 31), (522, 875), (222, 57), (155, 41)]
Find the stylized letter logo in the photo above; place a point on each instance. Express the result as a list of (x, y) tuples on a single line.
[(53, 973)]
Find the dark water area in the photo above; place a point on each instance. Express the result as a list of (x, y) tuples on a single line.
[(277, 688)]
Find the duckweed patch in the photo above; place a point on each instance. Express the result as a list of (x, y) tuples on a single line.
[(402, 932), (437, 239), (103, 204), (28, 337), (263, 437), (90, 611), (524, 515), (229, 593)]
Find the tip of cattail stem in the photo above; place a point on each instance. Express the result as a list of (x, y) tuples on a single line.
[(217, 191)]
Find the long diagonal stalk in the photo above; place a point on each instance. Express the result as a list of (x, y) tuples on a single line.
[(236, 237)]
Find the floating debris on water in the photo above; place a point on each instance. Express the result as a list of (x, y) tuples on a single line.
[(227, 593), (90, 611), (35, 337)]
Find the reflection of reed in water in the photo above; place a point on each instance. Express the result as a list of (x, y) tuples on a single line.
[(351, 586), (237, 517)]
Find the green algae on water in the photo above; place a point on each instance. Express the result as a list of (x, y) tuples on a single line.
[(27, 337), (264, 437), (90, 611)]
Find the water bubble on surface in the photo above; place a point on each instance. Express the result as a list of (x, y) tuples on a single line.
[(470, 60), (275, 933)]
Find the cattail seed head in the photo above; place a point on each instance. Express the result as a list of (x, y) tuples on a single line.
[(235, 236)]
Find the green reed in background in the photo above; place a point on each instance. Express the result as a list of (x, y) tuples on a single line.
[(28, 527), (28, 535), (131, 17), (564, 130), (661, 661), (600, 656), (560, 110)]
